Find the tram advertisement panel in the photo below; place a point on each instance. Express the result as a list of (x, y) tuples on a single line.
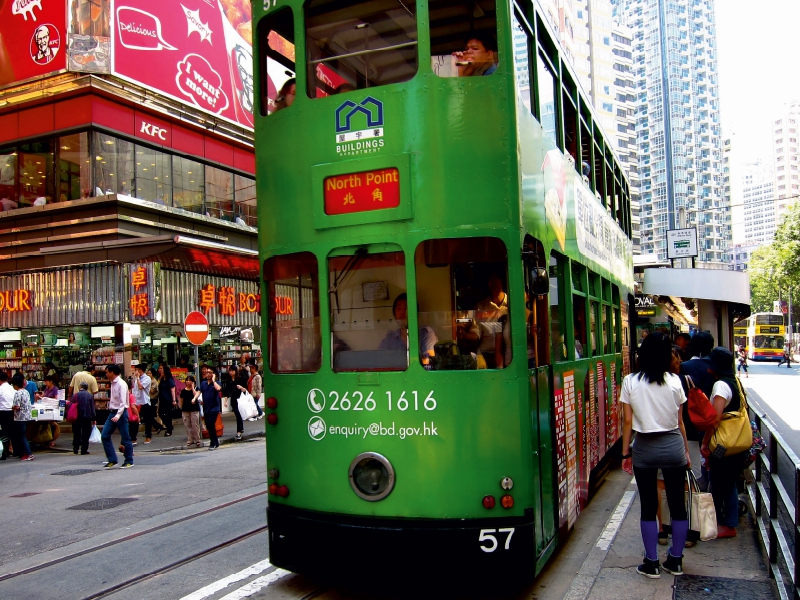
[(566, 422), (196, 51), (32, 39)]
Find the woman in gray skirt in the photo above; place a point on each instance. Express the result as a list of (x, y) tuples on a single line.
[(652, 401)]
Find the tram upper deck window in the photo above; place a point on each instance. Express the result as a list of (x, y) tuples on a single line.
[(277, 62), (294, 341), (352, 44), (462, 303), (369, 327), (463, 37)]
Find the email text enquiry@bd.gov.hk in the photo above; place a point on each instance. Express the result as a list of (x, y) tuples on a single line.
[(317, 429)]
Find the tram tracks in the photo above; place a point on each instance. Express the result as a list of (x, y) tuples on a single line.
[(138, 534)]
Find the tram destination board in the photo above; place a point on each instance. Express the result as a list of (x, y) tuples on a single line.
[(365, 191)]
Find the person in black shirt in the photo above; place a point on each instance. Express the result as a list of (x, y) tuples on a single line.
[(232, 388), (190, 410), (209, 392)]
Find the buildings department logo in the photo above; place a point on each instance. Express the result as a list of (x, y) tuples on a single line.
[(359, 127)]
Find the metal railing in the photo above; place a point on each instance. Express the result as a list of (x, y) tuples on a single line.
[(776, 508)]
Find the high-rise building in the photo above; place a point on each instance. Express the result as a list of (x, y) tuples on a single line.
[(678, 124), (786, 156)]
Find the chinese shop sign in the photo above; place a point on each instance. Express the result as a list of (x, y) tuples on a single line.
[(227, 301), (141, 283), (15, 301), (360, 192)]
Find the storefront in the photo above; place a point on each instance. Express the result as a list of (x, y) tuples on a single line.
[(95, 315)]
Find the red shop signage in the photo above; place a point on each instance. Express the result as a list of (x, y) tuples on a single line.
[(360, 192)]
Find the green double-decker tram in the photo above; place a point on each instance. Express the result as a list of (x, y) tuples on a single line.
[(445, 237)]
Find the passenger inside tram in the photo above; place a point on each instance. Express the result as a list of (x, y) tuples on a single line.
[(478, 58), (397, 339)]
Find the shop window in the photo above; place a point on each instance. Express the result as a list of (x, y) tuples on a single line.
[(463, 304), (547, 98), (353, 45), (277, 61), (153, 170), (8, 179), (219, 194), (369, 324), (558, 322), (188, 184), (245, 197), (463, 37), (293, 338), (74, 180), (35, 168), (113, 166)]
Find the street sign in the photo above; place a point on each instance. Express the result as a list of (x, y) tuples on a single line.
[(195, 325), (682, 243)]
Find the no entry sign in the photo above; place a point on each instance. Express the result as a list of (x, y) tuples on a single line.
[(195, 325)]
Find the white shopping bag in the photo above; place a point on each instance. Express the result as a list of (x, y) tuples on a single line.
[(247, 406), (94, 438)]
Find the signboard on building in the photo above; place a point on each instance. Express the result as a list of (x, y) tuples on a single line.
[(780, 306), (32, 39), (646, 306), (198, 52), (682, 243)]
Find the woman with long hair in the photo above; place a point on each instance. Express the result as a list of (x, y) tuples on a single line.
[(651, 403), (166, 396)]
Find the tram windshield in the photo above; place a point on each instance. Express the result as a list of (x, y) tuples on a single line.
[(463, 304), (352, 44), (369, 327)]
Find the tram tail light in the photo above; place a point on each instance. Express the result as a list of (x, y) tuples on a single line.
[(283, 491), (272, 489), (488, 502), (272, 418), (272, 402), (507, 501)]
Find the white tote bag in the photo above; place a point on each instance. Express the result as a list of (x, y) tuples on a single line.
[(247, 406), (702, 514)]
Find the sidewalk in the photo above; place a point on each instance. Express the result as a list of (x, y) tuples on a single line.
[(176, 441), (732, 569)]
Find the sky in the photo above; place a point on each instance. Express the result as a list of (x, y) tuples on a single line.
[(759, 49)]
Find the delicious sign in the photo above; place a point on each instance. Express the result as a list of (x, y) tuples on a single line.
[(359, 192), (195, 51), (32, 39)]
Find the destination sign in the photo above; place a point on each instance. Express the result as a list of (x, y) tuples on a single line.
[(769, 329), (360, 192)]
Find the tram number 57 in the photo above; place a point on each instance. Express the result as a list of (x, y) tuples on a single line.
[(487, 537)]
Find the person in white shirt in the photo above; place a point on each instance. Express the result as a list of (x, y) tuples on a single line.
[(141, 393), (6, 413), (117, 419), (651, 402)]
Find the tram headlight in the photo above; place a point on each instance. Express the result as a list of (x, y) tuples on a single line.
[(506, 483), (273, 473), (371, 476)]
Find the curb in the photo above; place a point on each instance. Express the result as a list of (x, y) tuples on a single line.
[(245, 437)]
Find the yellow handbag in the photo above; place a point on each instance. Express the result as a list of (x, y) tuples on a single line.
[(734, 433)]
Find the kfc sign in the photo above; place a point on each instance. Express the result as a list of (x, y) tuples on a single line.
[(32, 39), (152, 129)]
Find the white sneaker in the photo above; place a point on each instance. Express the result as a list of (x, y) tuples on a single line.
[(253, 419), (261, 416)]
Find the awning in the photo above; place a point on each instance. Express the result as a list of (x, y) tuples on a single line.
[(701, 284), (176, 252)]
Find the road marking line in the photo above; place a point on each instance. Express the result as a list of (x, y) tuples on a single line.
[(256, 585), (615, 522), (213, 588)]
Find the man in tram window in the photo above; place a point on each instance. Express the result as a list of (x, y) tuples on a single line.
[(487, 324), (479, 57), (397, 339)]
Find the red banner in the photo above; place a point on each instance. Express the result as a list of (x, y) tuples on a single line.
[(359, 192), (196, 51), (33, 39)]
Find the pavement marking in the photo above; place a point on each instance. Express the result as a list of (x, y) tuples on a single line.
[(256, 585), (585, 579), (615, 522), (213, 588)]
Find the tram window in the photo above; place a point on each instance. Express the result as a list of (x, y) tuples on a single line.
[(593, 333), (461, 295), (577, 278), (606, 345), (277, 62), (570, 128), (352, 45), (369, 324), (537, 333), (579, 326), (586, 155), (557, 321), (293, 340), (463, 37), (547, 98), (523, 40)]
